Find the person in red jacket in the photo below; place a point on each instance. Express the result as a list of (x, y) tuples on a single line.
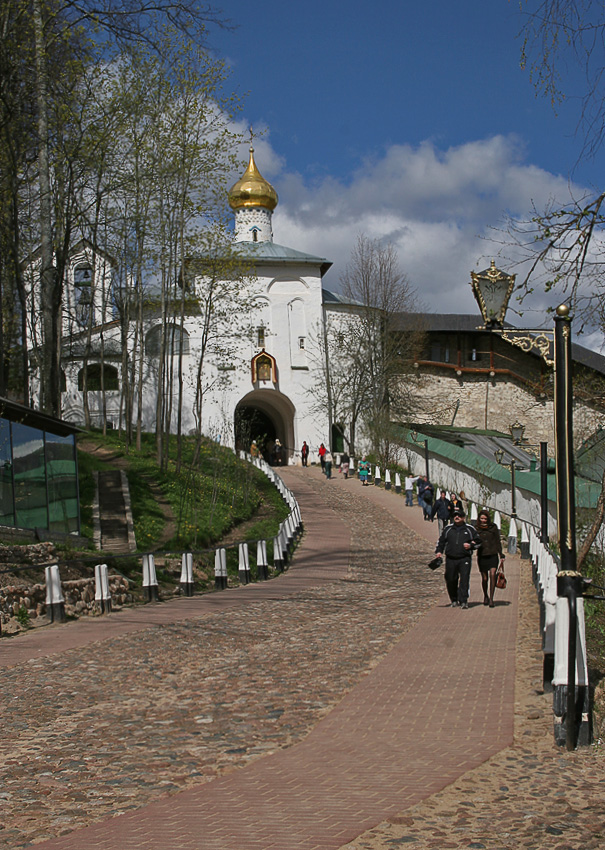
[(322, 457)]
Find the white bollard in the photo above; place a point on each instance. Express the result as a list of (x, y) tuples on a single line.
[(377, 476), (548, 581), (278, 557), (55, 603), (243, 564), (285, 546), (511, 545), (581, 721), (262, 567), (524, 542), (150, 581), (474, 512), (290, 533), (298, 519), (397, 482), (102, 594), (187, 574), (220, 569), (387, 479), (497, 520)]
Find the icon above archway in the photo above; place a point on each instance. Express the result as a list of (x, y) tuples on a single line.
[(264, 368)]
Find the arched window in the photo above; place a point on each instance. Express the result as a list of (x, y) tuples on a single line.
[(99, 375), (177, 341), (83, 293)]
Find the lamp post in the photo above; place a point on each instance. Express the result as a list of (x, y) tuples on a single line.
[(492, 295), (414, 435), (512, 466), (517, 431)]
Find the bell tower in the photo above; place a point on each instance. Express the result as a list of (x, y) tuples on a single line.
[(253, 200)]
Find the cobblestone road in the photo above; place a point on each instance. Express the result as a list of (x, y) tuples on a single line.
[(115, 725)]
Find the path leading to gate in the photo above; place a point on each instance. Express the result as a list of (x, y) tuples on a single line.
[(413, 724)]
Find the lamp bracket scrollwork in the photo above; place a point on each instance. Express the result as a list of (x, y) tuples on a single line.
[(540, 341)]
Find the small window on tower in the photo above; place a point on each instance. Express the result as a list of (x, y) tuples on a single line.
[(301, 343), (260, 337)]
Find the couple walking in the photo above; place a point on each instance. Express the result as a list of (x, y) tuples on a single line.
[(458, 542)]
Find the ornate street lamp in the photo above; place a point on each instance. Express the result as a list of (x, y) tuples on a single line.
[(492, 289), (516, 431)]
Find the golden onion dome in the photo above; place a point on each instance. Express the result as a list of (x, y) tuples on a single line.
[(252, 190)]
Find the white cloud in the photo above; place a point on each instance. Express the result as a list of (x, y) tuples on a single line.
[(443, 210)]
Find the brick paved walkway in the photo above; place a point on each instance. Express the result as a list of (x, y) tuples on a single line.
[(410, 727)]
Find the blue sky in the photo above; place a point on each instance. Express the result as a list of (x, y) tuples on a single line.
[(407, 121)]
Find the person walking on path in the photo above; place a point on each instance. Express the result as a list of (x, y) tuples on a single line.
[(420, 485), (441, 510), (322, 457), (490, 554), (456, 504), (304, 453), (409, 490), (427, 500), (364, 470), (328, 464), (345, 460), (457, 542)]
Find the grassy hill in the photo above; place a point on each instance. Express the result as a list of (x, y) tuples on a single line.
[(194, 507)]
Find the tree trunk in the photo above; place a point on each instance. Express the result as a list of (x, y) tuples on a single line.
[(49, 367)]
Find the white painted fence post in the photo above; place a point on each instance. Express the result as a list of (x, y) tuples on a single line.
[(278, 558), (187, 574), (220, 569), (150, 581), (511, 544), (262, 571), (102, 594), (55, 603), (243, 563)]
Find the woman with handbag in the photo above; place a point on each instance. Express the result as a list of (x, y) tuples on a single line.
[(490, 557)]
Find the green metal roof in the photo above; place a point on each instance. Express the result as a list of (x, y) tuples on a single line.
[(466, 456)]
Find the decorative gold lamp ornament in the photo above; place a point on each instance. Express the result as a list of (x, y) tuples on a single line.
[(492, 289)]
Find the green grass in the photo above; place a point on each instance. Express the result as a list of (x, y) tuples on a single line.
[(212, 493)]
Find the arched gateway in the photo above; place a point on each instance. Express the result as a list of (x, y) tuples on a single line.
[(265, 416)]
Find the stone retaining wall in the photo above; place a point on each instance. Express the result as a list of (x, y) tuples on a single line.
[(79, 598)]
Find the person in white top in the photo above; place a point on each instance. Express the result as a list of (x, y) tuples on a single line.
[(409, 490)]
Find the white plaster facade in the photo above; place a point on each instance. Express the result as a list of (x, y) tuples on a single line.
[(278, 309)]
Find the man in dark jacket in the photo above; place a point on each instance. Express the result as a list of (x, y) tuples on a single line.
[(457, 542), (441, 510)]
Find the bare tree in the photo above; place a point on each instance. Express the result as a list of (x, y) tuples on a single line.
[(370, 375), (78, 24), (565, 245), (560, 33)]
